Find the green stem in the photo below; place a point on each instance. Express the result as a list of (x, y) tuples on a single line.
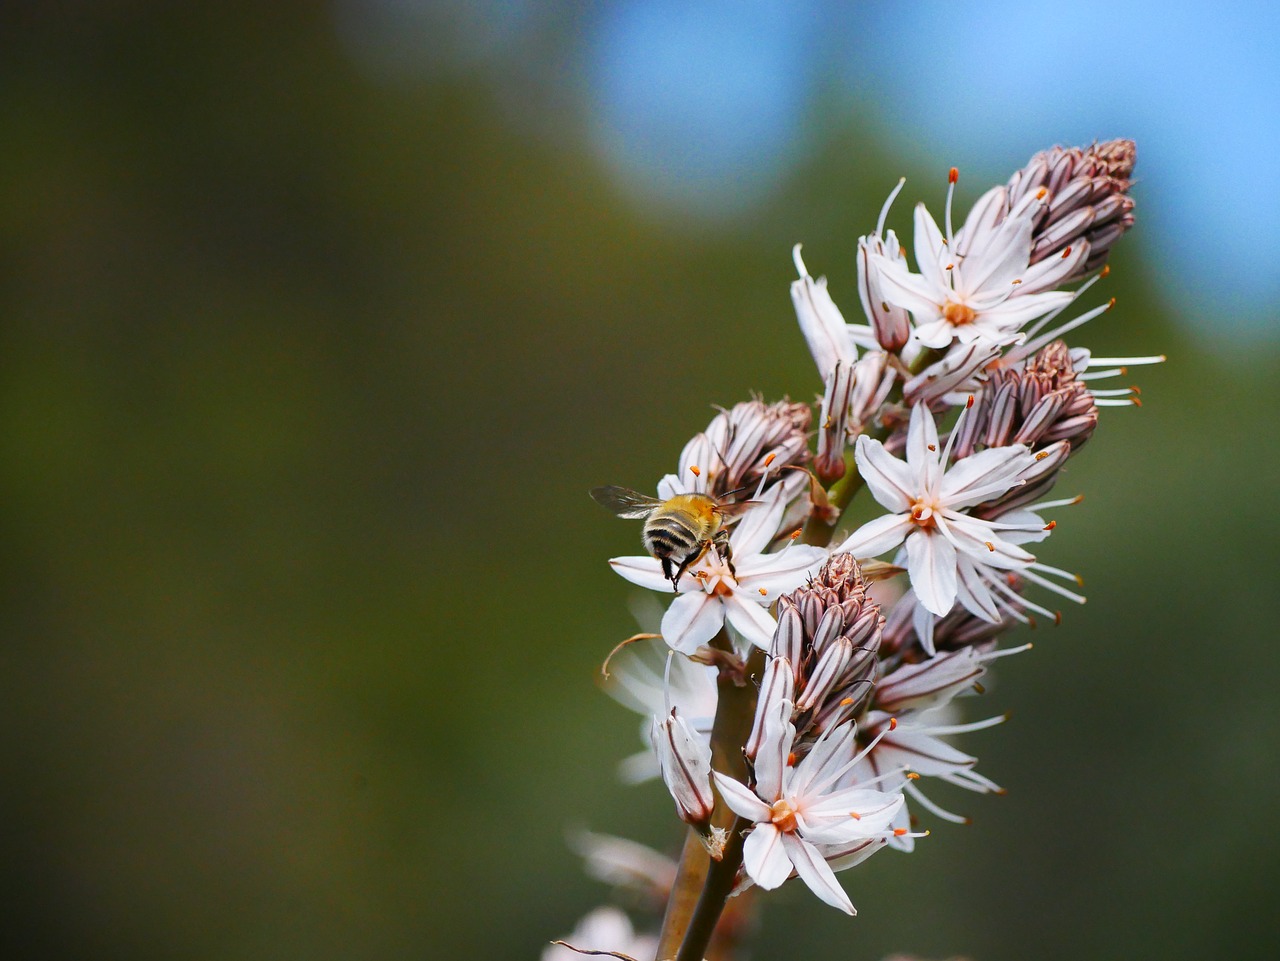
[(715, 893), (697, 874)]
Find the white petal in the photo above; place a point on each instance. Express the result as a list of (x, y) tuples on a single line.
[(813, 871), (930, 247), (751, 620), (1002, 261), (984, 475), (875, 537), (764, 858), (978, 540), (775, 573), (758, 524), (901, 288), (691, 621), (923, 454), (890, 480), (740, 799), (1016, 311), (931, 565), (645, 571), (821, 323), (974, 594)]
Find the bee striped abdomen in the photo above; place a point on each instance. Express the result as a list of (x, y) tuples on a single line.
[(671, 536)]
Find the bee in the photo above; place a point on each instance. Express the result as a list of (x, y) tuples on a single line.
[(677, 531)]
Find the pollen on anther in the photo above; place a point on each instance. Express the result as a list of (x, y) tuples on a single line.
[(1042, 193), (1057, 618), (969, 402), (898, 832), (763, 592), (845, 702), (991, 547), (855, 815), (797, 532), (1042, 455), (1111, 303), (893, 723), (791, 759), (1135, 401), (1051, 525), (1106, 269), (826, 424), (933, 447), (912, 776), (884, 305), (1017, 281), (953, 175), (1066, 252), (950, 267), (697, 471)]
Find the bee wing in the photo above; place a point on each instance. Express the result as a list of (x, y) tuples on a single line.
[(733, 512), (624, 502)]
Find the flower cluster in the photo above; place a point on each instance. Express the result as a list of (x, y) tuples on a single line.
[(801, 693)]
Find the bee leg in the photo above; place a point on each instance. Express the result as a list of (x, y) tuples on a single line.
[(722, 545), (671, 573)]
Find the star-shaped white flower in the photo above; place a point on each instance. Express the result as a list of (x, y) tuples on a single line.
[(946, 550), (967, 297), (711, 594), (798, 813)]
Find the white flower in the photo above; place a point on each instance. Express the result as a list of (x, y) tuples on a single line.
[(604, 929), (711, 593), (967, 297), (947, 551), (798, 816), (645, 678)]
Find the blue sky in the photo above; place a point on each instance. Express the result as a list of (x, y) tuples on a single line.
[(704, 105)]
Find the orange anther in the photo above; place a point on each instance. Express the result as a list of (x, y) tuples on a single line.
[(991, 547), (763, 592), (769, 460), (697, 471), (1111, 303), (953, 175), (1042, 193), (968, 403), (1051, 525), (912, 776), (1066, 253), (933, 447), (855, 815), (898, 832), (893, 723), (1106, 269)]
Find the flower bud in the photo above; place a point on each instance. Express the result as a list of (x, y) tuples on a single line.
[(685, 762), (1086, 199)]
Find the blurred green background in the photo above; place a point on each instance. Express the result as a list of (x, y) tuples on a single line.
[(312, 339)]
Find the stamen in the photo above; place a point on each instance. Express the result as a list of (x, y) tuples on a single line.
[(884, 211), (952, 176), (697, 472)]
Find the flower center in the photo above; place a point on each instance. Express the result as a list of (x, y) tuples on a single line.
[(783, 815), (922, 513), (957, 315)]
